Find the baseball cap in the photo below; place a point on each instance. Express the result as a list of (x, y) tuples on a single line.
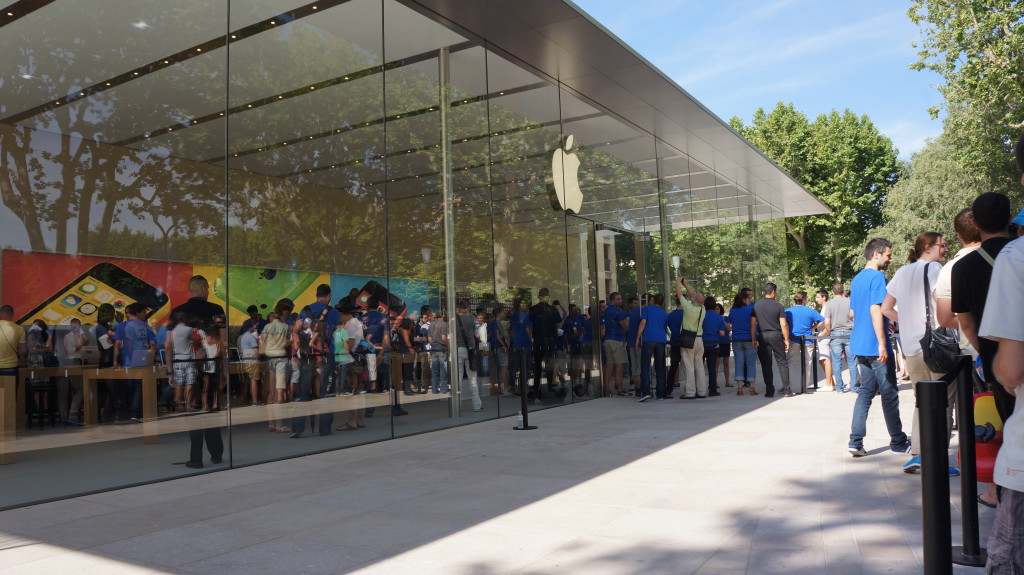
[(1019, 220)]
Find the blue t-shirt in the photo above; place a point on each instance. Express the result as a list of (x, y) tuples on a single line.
[(654, 329), (575, 326), (739, 317), (331, 320), (634, 323), (375, 326), (134, 336), (518, 324), (588, 330), (713, 323), (867, 289), (801, 319), (612, 328), (674, 322)]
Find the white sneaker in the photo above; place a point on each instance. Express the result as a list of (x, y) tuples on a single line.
[(857, 451)]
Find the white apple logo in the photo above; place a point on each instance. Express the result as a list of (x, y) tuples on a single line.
[(565, 172)]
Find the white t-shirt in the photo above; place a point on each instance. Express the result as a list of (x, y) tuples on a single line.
[(1007, 291), (944, 290), (907, 286)]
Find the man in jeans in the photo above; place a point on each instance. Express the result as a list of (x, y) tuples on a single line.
[(869, 342), (839, 326), (770, 317), (466, 340)]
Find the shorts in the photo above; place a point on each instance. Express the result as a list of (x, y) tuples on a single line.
[(501, 356), (279, 366), (615, 352), (1006, 540), (824, 349), (371, 366), (251, 368), (184, 373), (295, 371), (633, 368), (723, 350)]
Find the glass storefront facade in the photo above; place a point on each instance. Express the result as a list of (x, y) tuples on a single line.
[(271, 148)]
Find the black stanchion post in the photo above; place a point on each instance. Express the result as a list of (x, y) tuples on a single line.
[(970, 553), (524, 390), (814, 361), (803, 364), (938, 543)]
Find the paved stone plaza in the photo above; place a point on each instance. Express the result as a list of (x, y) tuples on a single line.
[(727, 485)]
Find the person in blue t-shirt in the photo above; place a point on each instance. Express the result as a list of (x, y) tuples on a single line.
[(650, 338), (632, 369), (802, 319), (575, 328), (674, 324), (133, 342), (746, 355), (714, 332), (615, 323), (869, 341), (522, 345)]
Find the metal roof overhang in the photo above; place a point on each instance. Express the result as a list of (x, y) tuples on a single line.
[(560, 40)]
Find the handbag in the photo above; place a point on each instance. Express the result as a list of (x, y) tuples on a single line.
[(941, 346)]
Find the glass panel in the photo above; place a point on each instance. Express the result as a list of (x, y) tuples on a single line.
[(307, 171), (107, 193), (419, 214), (582, 323), (529, 232)]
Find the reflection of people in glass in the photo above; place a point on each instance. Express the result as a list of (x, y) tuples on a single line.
[(575, 328), (350, 374), (74, 342), (546, 323), (133, 342), (248, 351), (437, 337), (211, 367), (276, 339), (519, 332), (199, 312), (497, 334)]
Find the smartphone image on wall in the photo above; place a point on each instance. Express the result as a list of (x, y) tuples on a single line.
[(104, 283), (389, 303), (261, 287)]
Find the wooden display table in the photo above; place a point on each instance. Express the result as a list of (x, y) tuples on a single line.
[(148, 375)]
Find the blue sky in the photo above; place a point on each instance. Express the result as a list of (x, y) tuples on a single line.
[(737, 56)]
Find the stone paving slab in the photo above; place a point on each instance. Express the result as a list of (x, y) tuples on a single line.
[(721, 486)]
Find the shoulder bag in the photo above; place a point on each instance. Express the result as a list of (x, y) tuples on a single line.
[(941, 346), (686, 337)]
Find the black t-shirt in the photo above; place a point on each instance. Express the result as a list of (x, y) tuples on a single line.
[(544, 318), (768, 311), (200, 308), (969, 282)]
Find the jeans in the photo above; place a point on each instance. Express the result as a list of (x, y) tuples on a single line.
[(655, 350), (746, 356), (773, 343), (439, 371), (836, 348), (307, 367), (711, 359), (801, 362), (675, 357), (878, 377), (466, 368)]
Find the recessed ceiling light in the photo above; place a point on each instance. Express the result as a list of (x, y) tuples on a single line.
[(140, 25)]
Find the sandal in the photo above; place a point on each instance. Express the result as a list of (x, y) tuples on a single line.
[(986, 503), (739, 391), (753, 391)]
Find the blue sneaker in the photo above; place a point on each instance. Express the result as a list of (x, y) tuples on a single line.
[(914, 465), (953, 472)]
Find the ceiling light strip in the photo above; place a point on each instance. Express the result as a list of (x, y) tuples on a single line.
[(19, 10)]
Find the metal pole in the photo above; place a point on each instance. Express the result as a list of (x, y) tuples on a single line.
[(936, 527), (971, 552), (814, 361), (803, 365)]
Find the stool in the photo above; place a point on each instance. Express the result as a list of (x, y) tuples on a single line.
[(46, 390)]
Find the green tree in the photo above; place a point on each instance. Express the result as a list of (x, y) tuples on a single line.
[(846, 163), (978, 49)]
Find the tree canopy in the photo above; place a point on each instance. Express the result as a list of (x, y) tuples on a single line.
[(846, 163)]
